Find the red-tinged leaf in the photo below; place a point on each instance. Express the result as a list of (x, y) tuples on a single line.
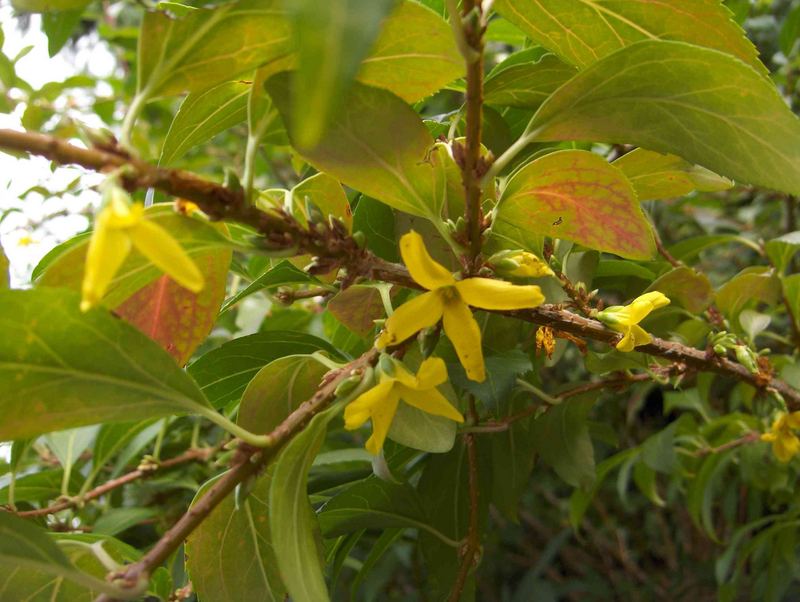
[(176, 318), (579, 196), (357, 307)]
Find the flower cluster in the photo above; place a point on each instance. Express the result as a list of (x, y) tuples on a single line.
[(120, 226)]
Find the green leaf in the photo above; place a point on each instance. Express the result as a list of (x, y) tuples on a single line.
[(230, 554), (791, 291), (561, 436), (703, 490), (502, 371), (419, 430), (671, 97), (118, 520), (31, 551), (583, 31), (208, 46), (59, 27), (689, 249), (685, 286), (527, 85), (61, 368), (578, 196), (658, 451), (281, 275), (580, 499), (202, 116), (373, 504), (751, 284), (782, 250), (40, 486), (378, 145), (44, 6), (376, 221), (64, 265), (323, 193), (277, 390), (657, 176), (223, 374), (332, 39), (415, 54), (292, 520)]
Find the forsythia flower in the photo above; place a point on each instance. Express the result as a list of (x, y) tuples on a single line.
[(520, 263), (449, 300), (625, 319), (785, 444), (120, 226), (380, 402)]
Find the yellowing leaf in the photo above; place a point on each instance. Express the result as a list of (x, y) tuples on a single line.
[(414, 56), (671, 97), (209, 46), (584, 31), (578, 196), (657, 176)]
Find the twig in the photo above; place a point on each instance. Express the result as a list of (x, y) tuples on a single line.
[(473, 543), (745, 439), (470, 33), (192, 455), (248, 461)]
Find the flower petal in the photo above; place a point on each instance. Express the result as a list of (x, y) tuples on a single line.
[(785, 448), (411, 317), (430, 401), (626, 343), (432, 372), (108, 248), (635, 335), (360, 409), (424, 270), (382, 416), (158, 245), (793, 420), (496, 294), (463, 331)]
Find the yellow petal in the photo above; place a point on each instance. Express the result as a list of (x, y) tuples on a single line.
[(430, 401), (432, 373), (496, 294), (635, 335), (655, 299), (769, 437), (463, 331), (360, 409), (785, 448), (108, 248), (626, 343), (382, 416), (411, 317), (793, 420), (424, 270), (155, 243)]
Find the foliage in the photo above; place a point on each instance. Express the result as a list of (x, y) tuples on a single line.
[(411, 299)]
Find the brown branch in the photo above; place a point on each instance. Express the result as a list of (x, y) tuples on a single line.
[(248, 461), (472, 165), (192, 455), (745, 439), (473, 544), (220, 202)]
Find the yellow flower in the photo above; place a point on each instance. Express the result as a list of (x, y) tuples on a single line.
[(625, 319), (120, 226), (450, 299), (380, 402), (520, 263), (785, 444)]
